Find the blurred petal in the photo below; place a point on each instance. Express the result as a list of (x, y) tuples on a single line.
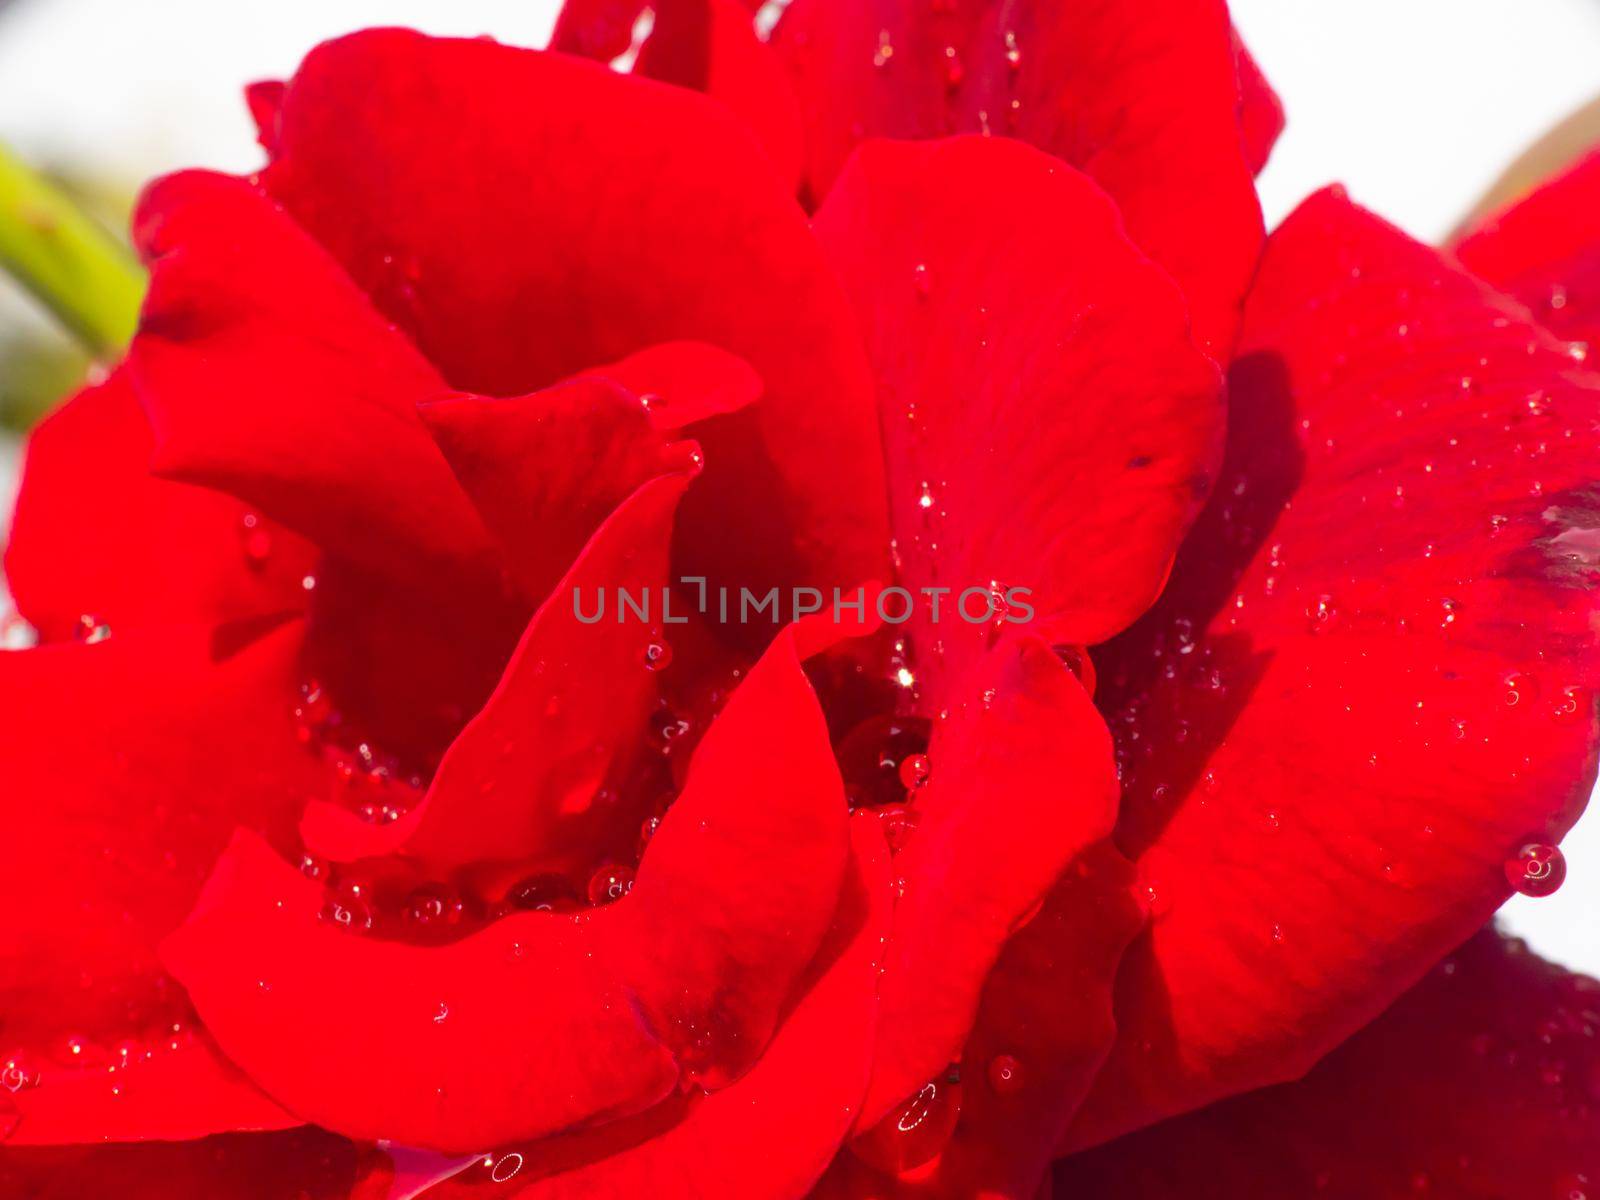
[(1481, 1081)]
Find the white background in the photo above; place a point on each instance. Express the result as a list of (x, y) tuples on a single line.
[(1416, 105)]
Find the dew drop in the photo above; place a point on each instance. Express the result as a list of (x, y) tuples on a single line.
[(90, 630), (254, 540), (1321, 613), (434, 909), (915, 771), (1521, 689), (350, 913), (917, 1131), (17, 1074), (543, 893), (884, 54), (899, 824), (922, 280), (505, 1167), (1013, 51), (1005, 1074), (954, 72), (873, 755), (658, 655), (1536, 869), (610, 883)]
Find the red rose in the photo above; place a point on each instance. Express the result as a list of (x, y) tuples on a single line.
[(351, 853)]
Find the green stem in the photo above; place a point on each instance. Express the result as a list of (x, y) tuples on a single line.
[(63, 257)]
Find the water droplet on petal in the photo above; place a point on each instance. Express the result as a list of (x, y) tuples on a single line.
[(1013, 51), (899, 823), (434, 909), (874, 753), (543, 893), (505, 1167), (255, 540), (610, 883), (1321, 613), (1521, 689), (915, 770), (658, 655), (350, 913), (954, 72), (885, 51), (18, 1074), (1536, 869), (915, 1132), (1005, 1074), (89, 630)]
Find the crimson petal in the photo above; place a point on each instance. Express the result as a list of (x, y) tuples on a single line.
[(1261, 117), (684, 383), (167, 1089), (115, 755), (1048, 423), (1543, 250), (545, 470), (96, 535), (508, 286), (1372, 677), (306, 1164), (1481, 1081), (1043, 1029), (521, 780), (1022, 782), (1143, 96), (268, 375), (682, 980), (712, 47), (772, 1133)]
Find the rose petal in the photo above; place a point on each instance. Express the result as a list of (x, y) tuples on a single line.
[(712, 47), (1543, 250), (93, 528), (545, 470), (1048, 423), (1022, 782), (1261, 117), (1371, 679), (684, 383), (684, 979), (520, 783), (1043, 1030), (319, 426), (306, 1164), (684, 233), (127, 764), (1481, 1081), (169, 1089), (1142, 96), (773, 1132)]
